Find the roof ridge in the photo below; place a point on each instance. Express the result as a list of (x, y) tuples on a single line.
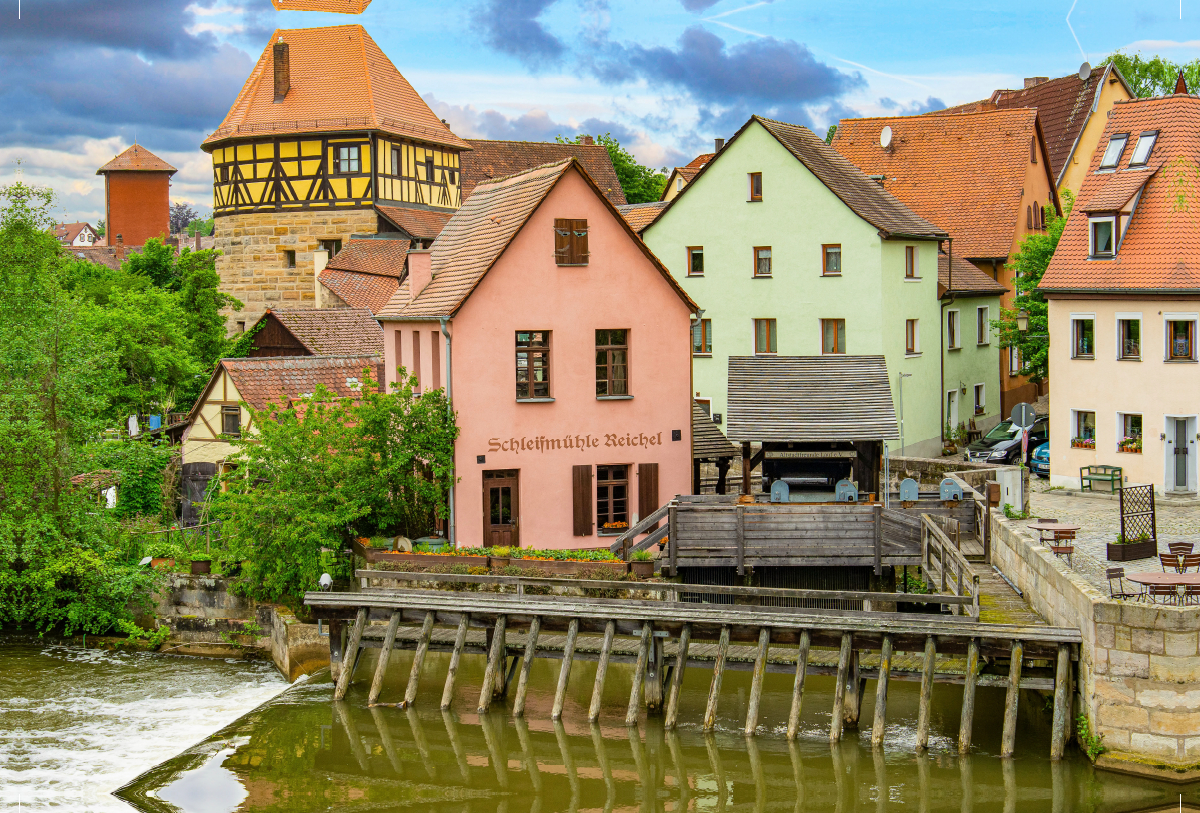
[(362, 48), (491, 181)]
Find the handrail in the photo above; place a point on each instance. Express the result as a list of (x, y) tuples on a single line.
[(621, 541), (933, 539), (672, 589)]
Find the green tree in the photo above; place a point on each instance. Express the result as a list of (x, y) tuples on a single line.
[(1028, 266), (640, 184), (203, 302), (1154, 76), (830, 133), (205, 227), (322, 470), (157, 263)]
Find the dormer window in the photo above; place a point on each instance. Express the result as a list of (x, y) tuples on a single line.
[(1141, 153), (1112, 154), (1103, 236)]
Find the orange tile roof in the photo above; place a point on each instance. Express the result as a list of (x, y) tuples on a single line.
[(967, 279), (641, 215), (261, 381), (137, 159), (67, 232), (963, 171), (1118, 189), (420, 224), (700, 160), (333, 331), (100, 255), (1160, 249), (336, 6), (372, 255), (340, 81), (358, 290), (499, 159), (479, 233)]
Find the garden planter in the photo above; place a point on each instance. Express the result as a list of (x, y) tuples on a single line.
[(1132, 551), (498, 562), (423, 560), (642, 569), (162, 561), (201, 567), (559, 567)]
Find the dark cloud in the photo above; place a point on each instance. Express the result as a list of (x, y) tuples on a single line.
[(512, 27), (698, 5), (913, 108)]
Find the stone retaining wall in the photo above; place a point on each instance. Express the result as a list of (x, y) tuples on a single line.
[(1139, 670)]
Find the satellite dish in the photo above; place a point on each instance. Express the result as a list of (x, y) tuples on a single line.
[(885, 137), (1085, 71)]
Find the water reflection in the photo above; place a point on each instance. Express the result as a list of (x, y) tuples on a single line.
[(390, 759)]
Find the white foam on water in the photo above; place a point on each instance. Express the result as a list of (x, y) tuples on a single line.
[(77, 724)]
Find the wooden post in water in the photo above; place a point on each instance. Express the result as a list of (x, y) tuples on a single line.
[(639, 674), (854, 690), (460, 640), (495, 656), (793, 727), (498, 681), (881, 691), (760, 669), (924, 710), (350, 655), (685, 640), (414, 675), (1008, 739), (389, 640), (1062, 703), (968, 704), (839, 690), (564, 673), (610, 629), (714, 689), (535, 629)]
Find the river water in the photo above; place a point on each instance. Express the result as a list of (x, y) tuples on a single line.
[(87, 722)]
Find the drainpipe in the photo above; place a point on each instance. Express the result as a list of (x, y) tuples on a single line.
[(942, 335), (451, 534)]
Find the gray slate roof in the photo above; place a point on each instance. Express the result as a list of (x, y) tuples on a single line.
[(707, 441), (809, 398)]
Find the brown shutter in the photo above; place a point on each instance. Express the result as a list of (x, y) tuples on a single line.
[(562, 241), (1028, 217), (579, 242), (581, 488), (1033, 150), (647, 490)]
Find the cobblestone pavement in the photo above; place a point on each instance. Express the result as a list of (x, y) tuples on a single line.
[(1101, 522)]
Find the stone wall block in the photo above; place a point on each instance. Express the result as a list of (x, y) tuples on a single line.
[(1131, 717), (1114, 690), (1124, 638), (1174, 670), (1147, 640), (1174, 723), (1167, 699), (1154, 745), (1191, 747), (1128, 664), (1180, 644)]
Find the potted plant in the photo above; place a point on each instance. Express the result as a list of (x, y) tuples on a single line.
[(613, 528), (1130, 550), (641, 562), (201, 564), (500, 557)]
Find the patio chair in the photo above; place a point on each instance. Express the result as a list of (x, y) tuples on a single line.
[(1169, 562), (1064, 552), (1189, 560), (1180, 548), (1164, 594), (1117, 574), (1192, 594)]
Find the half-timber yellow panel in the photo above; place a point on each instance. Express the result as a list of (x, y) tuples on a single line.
[(310, 167), (301, 188), (358, 186), (308, 148), (266, 150), (290, 168), (255, 191), (289, 149), (245, 152), (262, 170)]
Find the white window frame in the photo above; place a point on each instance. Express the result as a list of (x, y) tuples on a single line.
[(916, 351), (1092, 221), (1119, 429), (957, 333), (1129, 317), (952, 408), (1014, 354), (1167, 318), (1124, 139), (1153, 136), (987, 325), (976, 391), (1083, 317), (916, 252)]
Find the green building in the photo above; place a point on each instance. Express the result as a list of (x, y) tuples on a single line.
[(792, 250)]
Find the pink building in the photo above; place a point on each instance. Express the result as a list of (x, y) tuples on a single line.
[(565, 347)]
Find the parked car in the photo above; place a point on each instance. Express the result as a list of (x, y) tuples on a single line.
[(1002, 445), (1040, 462)]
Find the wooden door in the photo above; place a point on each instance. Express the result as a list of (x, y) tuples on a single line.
[(501, 508)]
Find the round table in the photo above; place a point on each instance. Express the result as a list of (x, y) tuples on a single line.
[(1173, 579)]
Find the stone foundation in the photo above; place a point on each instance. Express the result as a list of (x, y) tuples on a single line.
[(252, 264), (1139, 670)]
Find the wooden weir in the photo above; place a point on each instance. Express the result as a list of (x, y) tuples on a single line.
[(661, 638)]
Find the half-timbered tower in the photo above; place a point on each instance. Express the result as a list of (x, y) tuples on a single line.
[(324, 130)]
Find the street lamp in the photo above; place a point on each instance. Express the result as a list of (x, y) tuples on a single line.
[(1022, 320)]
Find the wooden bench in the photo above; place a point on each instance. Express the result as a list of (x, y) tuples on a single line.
[(1099, 473)]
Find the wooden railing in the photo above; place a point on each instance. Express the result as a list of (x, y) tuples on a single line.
[(621, 545), (944, 565), (210, 531)]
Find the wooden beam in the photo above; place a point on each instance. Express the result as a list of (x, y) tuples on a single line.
[(639, 674), (714, 689), (760, 669), (564, 672), (414, 675), (925, 709), (351, 652), (535, 628), (1062, 703), (681, 657), (839, 690), (1008, 738), (793, 728), (740, 539), (745, 467), (460, 638), (966, 722), (389, 640), (495, 655), (881, 691), (610, 630)]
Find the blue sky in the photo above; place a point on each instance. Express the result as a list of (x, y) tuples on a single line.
[(80, 79)]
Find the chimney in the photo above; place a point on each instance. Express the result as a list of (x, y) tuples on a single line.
[(120, 248), (198, 238), (420, 270), (591, 142), (1033, 81), (720, 144), (283, 71), (1180, 84), (320, 260)]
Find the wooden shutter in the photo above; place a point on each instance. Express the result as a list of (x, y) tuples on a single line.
[(562, 241), (579, 242), (647, 490), (581, 489)]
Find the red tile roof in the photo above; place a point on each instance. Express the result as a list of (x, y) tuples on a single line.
[(967, 279), (421, 224), (699, 161), (359, 290), (336, 6), (67, 232), (261, 381), (340, 81), (641, 215), (499, 159), (1160, 249), (333, 331), (372, 255), (962, 171), (100, 255), (137, 159)]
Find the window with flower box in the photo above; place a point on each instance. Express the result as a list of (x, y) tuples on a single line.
[(1131, 434), (612, 499), (1085, 430)]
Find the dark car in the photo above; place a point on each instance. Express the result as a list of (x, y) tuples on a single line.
[(1002, 445), (1039, 464)]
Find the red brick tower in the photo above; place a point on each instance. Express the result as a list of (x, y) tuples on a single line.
[(137, 196)]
